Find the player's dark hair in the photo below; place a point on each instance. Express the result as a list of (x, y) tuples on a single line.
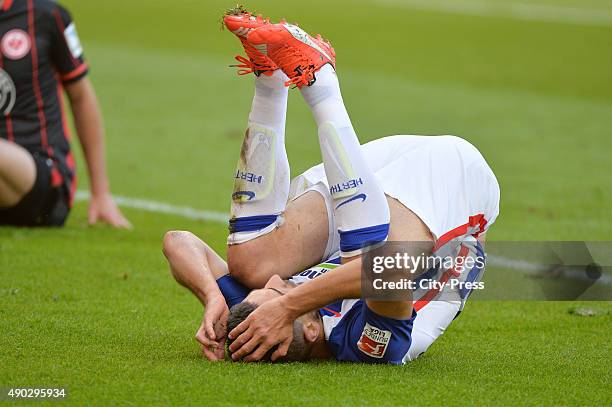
[(299, 348)]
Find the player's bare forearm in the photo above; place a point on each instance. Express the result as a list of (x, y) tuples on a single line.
[(340, 283), (272, 322), (88, 122), (194, 264), (90, 130)]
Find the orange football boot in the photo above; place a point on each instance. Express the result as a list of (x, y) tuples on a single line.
[(241, 22), (294, 51)]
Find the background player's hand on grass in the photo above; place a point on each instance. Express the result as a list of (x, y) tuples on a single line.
[(269, 325), (213, 330), (103, 209)]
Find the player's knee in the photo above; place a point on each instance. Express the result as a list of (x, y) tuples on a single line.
[(249, 267), (17, 173), (248, 273), (173, 241)]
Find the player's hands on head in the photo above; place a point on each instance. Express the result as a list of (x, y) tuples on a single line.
[(268, 326), (103, 209), (213, 330)]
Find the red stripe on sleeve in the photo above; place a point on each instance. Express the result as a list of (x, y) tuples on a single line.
[(460, 231), (431, 294), (473, 221), (78, 71)]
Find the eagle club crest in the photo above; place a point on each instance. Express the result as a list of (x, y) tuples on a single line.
[(16, 44)]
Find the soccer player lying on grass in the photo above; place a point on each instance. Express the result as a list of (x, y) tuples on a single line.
[(402, 188)]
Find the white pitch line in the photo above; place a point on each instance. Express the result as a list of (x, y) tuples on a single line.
[(525, 266), (514, 10), (220, 217), (533, 269), (161, 207)]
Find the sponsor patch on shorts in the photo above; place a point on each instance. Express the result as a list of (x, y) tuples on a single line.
[(73, 41), (374, 341)]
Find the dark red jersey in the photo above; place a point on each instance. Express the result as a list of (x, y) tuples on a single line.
[(39, 52)]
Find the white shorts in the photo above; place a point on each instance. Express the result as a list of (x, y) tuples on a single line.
[(444, 180)]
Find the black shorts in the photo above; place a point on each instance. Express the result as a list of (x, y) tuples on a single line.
[(44, 205)]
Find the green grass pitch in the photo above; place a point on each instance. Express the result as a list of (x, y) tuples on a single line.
[(96, 311)]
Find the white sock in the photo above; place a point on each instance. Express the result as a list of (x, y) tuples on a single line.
[(360, 206), (261, 180)]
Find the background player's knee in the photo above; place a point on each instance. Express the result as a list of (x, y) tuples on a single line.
[(17, 173)]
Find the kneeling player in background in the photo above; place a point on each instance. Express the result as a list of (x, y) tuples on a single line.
[(401, 188), (40, 56)]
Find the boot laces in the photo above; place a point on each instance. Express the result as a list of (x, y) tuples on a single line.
[(247, 66), (304, 71)]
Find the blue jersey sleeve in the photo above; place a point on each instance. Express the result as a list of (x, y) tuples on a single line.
[(364, 336), (232, 290)]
